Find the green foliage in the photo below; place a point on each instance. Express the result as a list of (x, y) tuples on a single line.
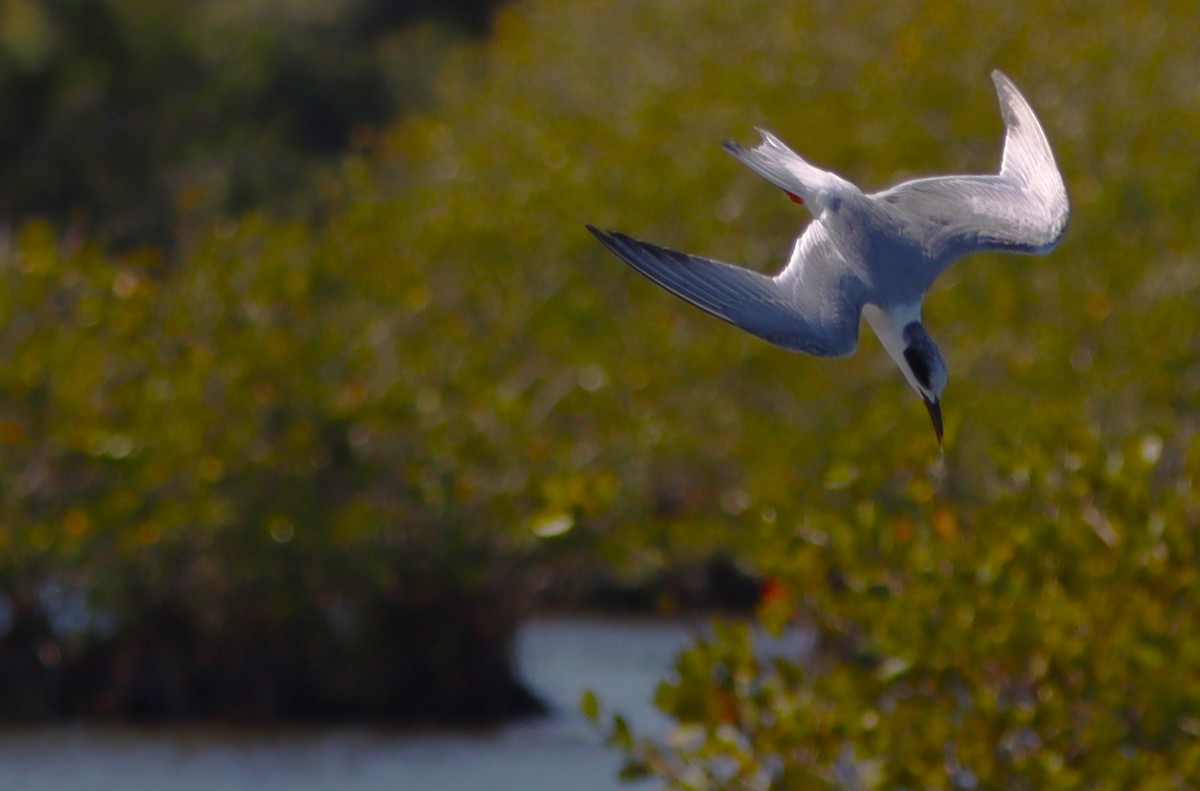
[(145, 121), (450, 380), (258, 404), (249, 442), (1017, 614)]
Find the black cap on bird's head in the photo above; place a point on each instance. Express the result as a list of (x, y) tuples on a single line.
[(926, 371)]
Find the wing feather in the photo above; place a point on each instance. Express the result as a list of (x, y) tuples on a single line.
[(817, 314), (1023, 208)]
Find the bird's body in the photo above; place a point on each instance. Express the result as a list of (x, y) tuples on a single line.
[(873, 255)]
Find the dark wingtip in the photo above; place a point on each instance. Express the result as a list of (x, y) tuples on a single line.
[(603, 236), (732, 147), (613, 240)]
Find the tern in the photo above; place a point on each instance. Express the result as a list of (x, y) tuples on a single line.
[(872, 255)]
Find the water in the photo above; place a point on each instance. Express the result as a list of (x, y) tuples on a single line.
[(621, 660)]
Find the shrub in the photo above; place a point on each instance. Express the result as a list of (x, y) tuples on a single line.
[(227, 475), (144, 122), (451, 379), (1017, 614)]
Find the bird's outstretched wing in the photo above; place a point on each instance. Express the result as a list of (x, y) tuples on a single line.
[(812, 306), (1022, 209)]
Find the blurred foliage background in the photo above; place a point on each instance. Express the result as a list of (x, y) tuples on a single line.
[(143, 122), (438, 387)]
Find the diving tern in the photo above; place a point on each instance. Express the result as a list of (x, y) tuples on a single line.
[(876, 254)]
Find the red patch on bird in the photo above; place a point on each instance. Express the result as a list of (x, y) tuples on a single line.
[(795, 198)]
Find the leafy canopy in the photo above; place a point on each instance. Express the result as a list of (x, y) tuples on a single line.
[(451, 377)]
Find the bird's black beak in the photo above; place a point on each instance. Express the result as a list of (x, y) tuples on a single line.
[(935, 414)]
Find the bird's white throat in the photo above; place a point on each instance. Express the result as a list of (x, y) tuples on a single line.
[(888, 326)]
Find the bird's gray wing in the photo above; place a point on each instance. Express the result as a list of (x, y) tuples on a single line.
[(812, 306), (1023, 208)]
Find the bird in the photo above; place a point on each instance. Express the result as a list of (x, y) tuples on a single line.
[(872, 255)]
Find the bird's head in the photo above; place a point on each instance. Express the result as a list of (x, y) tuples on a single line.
[(900, 331), (925, 370)]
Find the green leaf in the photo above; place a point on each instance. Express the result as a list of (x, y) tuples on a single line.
[(621, 736), (590, 705), (633, 770)]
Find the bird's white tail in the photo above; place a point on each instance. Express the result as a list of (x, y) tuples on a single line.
[(789, 171)]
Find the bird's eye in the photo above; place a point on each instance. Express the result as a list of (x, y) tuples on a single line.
[(919, 366)]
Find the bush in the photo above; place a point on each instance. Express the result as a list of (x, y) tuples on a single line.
[(451, 382), (145, 122), (1017, 614), (220, 470)]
